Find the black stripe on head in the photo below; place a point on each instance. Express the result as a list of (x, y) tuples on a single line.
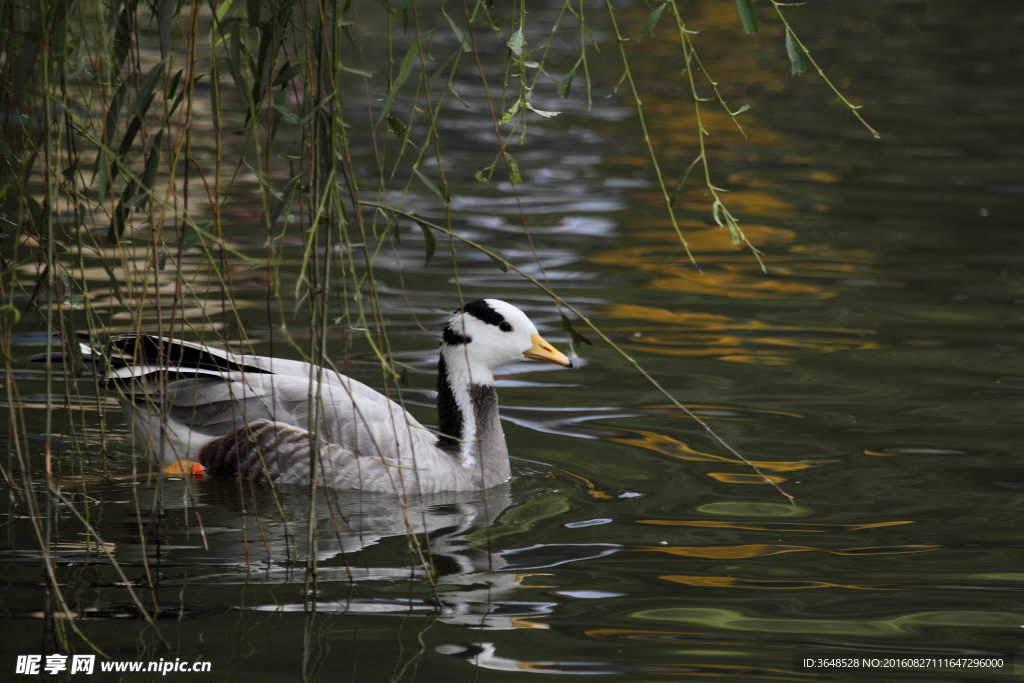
[(483, 312), (453, 338)]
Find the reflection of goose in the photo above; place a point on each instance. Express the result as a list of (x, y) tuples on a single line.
[(263, 417), (257, 534)]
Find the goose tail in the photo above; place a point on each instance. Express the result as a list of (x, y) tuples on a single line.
[(68, 355)]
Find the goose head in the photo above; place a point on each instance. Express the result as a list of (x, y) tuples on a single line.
[(477, 339), (483, 335)]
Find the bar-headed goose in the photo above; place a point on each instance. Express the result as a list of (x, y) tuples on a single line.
[(263, 418)]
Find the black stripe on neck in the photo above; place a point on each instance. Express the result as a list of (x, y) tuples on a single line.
[(453, 338), (449, 415)]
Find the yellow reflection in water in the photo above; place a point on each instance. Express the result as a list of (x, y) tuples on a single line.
[(772, 526), (732, 478), (666, 445), (689, 333), (732, 582), (725, 269), (741, 552), (732, 620)]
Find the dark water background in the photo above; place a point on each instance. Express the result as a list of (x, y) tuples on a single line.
[(875, 371)]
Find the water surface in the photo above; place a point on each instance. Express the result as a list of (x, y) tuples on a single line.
[(874, 372)]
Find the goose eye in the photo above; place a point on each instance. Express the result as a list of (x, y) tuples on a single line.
[(505, 327)]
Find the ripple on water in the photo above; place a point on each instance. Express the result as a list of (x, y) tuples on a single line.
[(906, 624), (754, 509)]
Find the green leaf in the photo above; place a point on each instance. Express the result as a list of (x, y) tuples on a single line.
[(191, 237), (507, 116), (647, 30), (576, 337), (288, 72), (432, 186), (386, 4), (287, 115), (358, 72), (129, 137), (513, 170), (103, 176), (403, 73), (499, 258), (396, 126), (517, 43), (682, 181), (172, 89), (120, 218), (488, 19), (278, 201), (223, 8), (747, 15), (181, 95), (431, 243), (11, 311), (148, 179), (565, 85), (165, 18), (35, 209), (144, 96), (542, 112), (459, 33), (797, 62)]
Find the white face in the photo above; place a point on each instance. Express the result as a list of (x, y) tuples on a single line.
[(491, 333)]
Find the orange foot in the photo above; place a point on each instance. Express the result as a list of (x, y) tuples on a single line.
[(183, 468)]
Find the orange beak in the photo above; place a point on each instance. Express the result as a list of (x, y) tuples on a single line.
[(543, 351)]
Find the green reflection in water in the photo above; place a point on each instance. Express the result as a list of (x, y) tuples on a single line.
[(736, 621), (744, 508)]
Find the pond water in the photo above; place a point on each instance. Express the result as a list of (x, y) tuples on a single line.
[(874, 372)]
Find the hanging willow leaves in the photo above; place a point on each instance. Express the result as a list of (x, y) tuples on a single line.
[(747, 15), (396, 126), (192, 237), (148, 179), (278, 201), (120, 218), (797, 62), (647, 30), (11, 312), (287, 73), (403, 73), (432, 186), (431, 243), (165, 17), (513, 170), (565, 85), (499, 258), (682, 181), (460, 35), (576, 337), (144, 96), (173, 87), (517, 43)]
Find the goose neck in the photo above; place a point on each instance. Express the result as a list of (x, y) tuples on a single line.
[(467, 414)]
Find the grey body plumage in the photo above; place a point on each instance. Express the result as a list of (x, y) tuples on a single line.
[(287, 421)]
